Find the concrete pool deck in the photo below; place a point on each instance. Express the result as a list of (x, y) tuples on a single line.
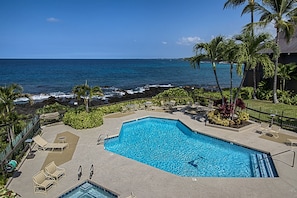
[(123, 175)]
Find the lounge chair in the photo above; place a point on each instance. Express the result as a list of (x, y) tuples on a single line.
[(54, 171), (42, 182), (275, 130), (264, 127), (44, 145), (131, 195), (292, 141)]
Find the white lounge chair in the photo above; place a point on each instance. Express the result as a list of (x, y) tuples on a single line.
[(292, 141), (54, 171), (264, 127), (42, 182), (131, 195), (44, 145), (274, 129)]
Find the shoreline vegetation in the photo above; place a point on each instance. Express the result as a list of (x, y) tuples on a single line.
[(75, 113)]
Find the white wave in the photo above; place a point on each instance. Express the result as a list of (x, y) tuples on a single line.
[(156, 86), (108, 92), (40, 97), (22, 100)]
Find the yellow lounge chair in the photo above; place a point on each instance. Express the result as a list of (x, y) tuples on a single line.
[(42, 182), (44, 145), (54, 171)]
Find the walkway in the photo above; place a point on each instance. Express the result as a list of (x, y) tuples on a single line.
[(124, 175)]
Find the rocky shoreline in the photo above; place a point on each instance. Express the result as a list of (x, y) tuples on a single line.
[(30, 109)]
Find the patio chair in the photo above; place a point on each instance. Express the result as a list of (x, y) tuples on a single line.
[(44, 145), (264, 127), (292, 141), (54, 171), (131, 195), (275, 130), (42, 182)]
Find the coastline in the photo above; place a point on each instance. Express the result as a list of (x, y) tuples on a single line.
[(26, 108)]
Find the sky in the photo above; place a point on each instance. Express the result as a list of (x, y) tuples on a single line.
[(104, 29)]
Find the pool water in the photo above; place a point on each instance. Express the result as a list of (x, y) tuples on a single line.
[(89, 189), (171, 146)]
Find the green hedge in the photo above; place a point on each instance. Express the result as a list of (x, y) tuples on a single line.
[(83, 120)]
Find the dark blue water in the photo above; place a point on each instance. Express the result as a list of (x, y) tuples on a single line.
[(46, 76)]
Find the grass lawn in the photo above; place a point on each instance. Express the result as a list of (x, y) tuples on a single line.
[(270, 108)]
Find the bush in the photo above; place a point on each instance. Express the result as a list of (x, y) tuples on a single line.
[(246, 93), (5, 193), (243, 116), (179, 95), (83, 120), (52, 108), (285, 97)]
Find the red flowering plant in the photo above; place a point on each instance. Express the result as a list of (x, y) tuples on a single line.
[(225, 109)]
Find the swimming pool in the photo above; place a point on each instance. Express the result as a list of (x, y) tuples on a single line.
[(171, 146), (89, 189)]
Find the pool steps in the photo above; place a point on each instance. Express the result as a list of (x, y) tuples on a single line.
[(91, 171), (101, 139), (79, 174), (261, 165)]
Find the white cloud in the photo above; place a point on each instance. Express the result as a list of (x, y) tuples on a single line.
[(269, 28), (164, 42), (188, 40), (52, 20)]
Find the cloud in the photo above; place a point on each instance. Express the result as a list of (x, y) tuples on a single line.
[(164, 42), (269, 29), (52, 20), (188, 40)]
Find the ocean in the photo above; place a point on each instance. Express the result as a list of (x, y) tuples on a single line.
[(58, 76)]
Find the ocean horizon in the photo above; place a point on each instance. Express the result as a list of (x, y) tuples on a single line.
[(54, 76)]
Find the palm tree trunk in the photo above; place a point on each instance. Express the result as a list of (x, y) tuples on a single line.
[(231, 82), (254, 69), (275, 100), (255, 84), (238, 91), (87, 104), (217, 81)]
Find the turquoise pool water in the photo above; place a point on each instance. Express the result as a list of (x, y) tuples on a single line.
[(89, 189), (171, 146)]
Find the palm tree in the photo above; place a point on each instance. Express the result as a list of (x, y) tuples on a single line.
[(285, 72), (232, 54), (283, 14), (7, 97), (86, 92), (250, 7), (251, 47), (212, 52)]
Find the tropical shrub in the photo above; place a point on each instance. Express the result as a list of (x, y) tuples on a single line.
[(5, 193), (243, 116), (285, 97), (246, 93), (214, 117), (110, 108), (52, 108), (179, 95), (294, 100), (83, 119)]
